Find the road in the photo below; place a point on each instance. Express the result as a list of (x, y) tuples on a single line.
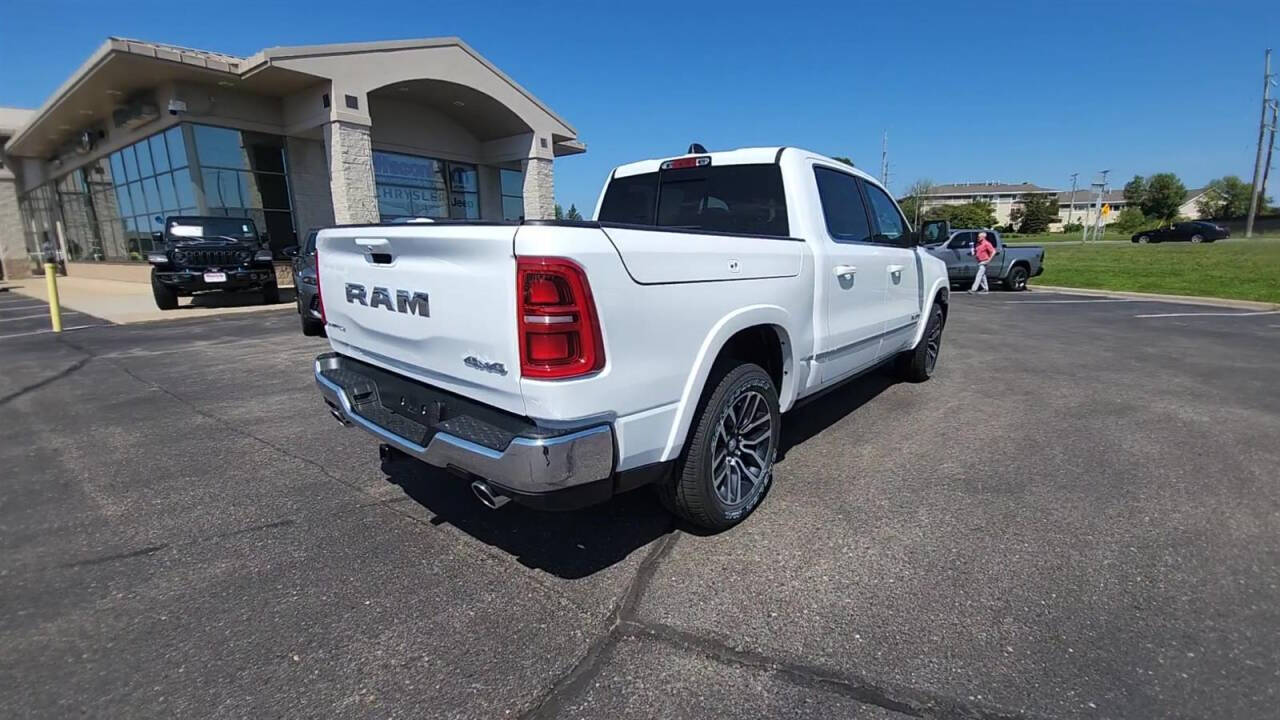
[(1077, 517)]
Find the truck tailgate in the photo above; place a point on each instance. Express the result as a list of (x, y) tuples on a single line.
[(435, 302)]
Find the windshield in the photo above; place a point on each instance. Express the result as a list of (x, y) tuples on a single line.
[(230, 229), (743, 199)]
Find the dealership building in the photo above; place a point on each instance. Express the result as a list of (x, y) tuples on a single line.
[(293, 137)]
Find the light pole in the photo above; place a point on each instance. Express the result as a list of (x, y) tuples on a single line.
[(1071, 208)]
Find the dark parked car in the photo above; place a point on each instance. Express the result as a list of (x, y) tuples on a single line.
[(304, 283), (202, 254), (1196, 231)]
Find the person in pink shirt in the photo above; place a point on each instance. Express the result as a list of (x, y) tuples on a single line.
[(983, 250)]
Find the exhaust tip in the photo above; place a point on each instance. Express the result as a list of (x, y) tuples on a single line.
[(339, 417), (491, 499)]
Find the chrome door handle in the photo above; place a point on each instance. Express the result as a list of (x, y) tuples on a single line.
[(895, 269), (845, 270)]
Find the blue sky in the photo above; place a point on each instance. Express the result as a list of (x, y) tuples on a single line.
[(1026, 91)]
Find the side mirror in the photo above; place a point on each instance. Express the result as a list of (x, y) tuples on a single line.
[(291, 251)]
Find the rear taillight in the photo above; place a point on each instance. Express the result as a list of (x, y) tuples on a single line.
[(319, 295), (559, 330)]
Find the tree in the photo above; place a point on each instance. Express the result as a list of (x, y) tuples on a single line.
[(559, 212), (1130, 220), (1163, 195), (1038, 211), (913, 202), (1134, 190), (977, 214), (573, 213), (1226, 197), (844, 160)]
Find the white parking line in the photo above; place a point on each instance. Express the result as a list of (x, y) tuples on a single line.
[(42, 332), (28, 306), (1068, 302), (32, 317), (1211, 314)]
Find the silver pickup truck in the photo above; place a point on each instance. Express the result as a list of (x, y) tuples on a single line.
[(1012, 265)]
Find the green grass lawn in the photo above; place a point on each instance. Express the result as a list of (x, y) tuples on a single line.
[(1240, 270), (1045, 238)]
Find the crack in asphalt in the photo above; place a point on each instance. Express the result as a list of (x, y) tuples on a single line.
[(77, 365), (908, 701), (623, 624), (570, 685)]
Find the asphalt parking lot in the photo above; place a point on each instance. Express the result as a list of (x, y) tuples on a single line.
[(22, 315), (1079, 516)]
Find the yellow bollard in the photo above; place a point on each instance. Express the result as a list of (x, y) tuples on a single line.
[(51, 283)]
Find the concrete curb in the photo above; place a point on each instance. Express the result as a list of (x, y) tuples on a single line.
[(1183, 299)]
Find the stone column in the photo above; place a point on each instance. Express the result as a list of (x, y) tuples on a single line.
[(14, 261), (539, 189), (350, 155)]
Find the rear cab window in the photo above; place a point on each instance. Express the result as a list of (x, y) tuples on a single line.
[(739, 199)]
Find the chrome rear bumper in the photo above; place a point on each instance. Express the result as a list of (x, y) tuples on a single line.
[(527, 465)]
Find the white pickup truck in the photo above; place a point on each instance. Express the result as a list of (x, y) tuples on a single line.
[(560, 363)]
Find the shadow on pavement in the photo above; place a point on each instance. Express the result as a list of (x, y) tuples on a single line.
[(812, 416), (569, 545), (234, 299)]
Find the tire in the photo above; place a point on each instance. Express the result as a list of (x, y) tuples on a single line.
[(1017, 279), (312, 327), (917, 365), (1197, 238), (271, 293), (166, 297), (1143, 239), (708, 493)]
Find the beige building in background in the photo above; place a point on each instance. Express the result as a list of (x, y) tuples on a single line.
[(294, 137), (1004, 197), (1078, 208)]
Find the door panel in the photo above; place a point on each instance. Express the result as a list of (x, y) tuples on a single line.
[(852, 277), (962, 266), (902, 273)]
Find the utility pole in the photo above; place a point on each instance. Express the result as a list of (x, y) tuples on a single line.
[(1271, 145), (1101, 186), (1262, 132), (884, 160), (1071, 208)]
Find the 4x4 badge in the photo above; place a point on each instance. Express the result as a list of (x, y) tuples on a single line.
[(496, 368)]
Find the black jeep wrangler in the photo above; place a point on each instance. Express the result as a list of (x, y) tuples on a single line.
[(200, 254)]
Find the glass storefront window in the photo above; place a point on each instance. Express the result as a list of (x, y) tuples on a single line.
[(244, 174), (512, 185), (218, 147), (177, 147), (159, 155), (114, 208), (413, 186)]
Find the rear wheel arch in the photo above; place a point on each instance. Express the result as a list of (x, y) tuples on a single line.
[(764, 345), (761, 340)]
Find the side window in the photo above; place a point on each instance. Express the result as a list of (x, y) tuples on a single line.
[(962, 241), (842, 206), (891, 229)]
